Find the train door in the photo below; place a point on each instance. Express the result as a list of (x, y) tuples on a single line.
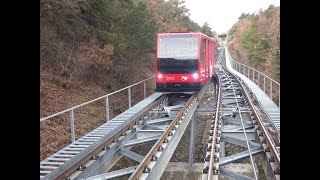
[(202, 59), (213, 56), (209, 59)]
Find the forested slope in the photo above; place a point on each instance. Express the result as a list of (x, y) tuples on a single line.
[(89, 48), (255, 40)]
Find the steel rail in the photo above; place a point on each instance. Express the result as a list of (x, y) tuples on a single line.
[(140, 169), (260, 123), (271, 122), (114, 152), (80, 159), (265, 133), (269, 146), (211, 162), (244, 129)]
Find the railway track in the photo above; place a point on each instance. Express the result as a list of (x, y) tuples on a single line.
[(161, 118), (76, 158), (234, 105), (145, 169)]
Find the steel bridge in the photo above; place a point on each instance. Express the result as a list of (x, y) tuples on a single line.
[(245, 113)]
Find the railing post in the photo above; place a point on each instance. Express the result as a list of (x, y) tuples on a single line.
[(253, 75), (107, 108), (72, 126), (191, 142), (243, 71), (129, 96), (144, 89), (271, 89), (264, 84), (248, 73), (279, 97)]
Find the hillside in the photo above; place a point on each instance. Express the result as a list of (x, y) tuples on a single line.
[(93, 47), (255, 40)]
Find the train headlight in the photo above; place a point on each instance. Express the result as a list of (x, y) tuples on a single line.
[(195, 75), (160, 76)]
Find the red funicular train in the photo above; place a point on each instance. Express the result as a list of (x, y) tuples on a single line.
[(184, 61)]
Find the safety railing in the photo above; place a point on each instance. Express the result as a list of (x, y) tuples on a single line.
[(91, 113), (268, 85)]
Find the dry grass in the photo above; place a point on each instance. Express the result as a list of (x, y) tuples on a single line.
[(56, 96), (55, 133)]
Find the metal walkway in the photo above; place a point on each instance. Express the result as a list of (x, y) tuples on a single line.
[(269, 107), (67, 153)]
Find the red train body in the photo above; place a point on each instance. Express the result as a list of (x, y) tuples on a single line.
[(184, 61)]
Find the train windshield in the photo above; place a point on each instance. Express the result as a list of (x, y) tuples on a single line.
[(183, 48), (178, 55)]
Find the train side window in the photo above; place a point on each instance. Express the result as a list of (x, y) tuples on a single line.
[(203, 48)]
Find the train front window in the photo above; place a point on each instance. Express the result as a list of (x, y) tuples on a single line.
[(178, 55)]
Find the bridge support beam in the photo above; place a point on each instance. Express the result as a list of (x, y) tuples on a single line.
[(113, 174), (240, 134), (222, 144), (191, 145), (267, 168), (234, 175)]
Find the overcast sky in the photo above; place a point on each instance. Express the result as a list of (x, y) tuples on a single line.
[(222, 14)]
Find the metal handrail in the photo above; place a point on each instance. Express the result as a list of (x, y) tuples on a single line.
[(246, 72), (253, 70), (258, 72), (75, 107), (71, 110)]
